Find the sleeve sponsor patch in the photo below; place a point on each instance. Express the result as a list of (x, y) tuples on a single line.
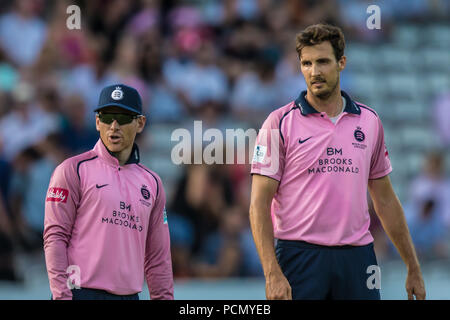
[(57, 195), (164, 216), (259, 154)]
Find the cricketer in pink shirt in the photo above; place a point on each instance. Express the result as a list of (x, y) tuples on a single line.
[(106, 220), (315, 162), (322, 169)]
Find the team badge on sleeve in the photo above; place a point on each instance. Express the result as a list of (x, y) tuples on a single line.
[(259, 154), (57, 195), (165, 216)]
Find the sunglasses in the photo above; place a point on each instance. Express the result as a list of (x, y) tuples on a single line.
[(121, 118)]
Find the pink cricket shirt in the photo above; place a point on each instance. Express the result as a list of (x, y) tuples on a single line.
[(323, 170), (110, 222)]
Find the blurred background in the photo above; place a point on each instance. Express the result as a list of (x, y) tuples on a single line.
[(228, 63)]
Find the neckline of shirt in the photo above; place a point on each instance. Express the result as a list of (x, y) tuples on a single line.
[(306, 108), (104, 153), (334, 119)]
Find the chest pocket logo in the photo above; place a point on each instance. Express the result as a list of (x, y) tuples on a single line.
[(359, 135), (145, 193)]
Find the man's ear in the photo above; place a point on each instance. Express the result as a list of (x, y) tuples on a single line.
[(97, 123), (141, 123), (342, 63)]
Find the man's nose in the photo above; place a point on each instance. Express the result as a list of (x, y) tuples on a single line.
[(315, 70), (115, 124)]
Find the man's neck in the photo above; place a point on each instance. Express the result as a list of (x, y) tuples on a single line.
[(119, 156), (332, 105), (123, 155)]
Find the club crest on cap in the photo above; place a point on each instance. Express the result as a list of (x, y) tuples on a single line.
[(117, 94)]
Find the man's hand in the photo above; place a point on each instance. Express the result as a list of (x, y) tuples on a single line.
[(415, 285), (278, 288)]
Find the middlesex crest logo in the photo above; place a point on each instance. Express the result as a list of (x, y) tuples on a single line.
[(360, 137), (145, 193), (117, 94), (57, 195)]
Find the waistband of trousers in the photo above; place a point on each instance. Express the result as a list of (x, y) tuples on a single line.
[(104, 292), (307, 245)]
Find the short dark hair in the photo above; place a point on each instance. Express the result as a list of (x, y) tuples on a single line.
[(318, 33)]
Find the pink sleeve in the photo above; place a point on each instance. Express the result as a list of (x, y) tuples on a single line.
[(60, 209), (269, 153), (380, 164), (158, 261)]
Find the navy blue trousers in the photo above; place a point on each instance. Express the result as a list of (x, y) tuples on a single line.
[(95, 294), (321, 272)]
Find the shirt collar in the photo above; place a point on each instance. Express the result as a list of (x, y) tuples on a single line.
[(103, 152), (306, 108)]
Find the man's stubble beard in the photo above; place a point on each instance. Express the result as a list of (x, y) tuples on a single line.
[(325, 95)]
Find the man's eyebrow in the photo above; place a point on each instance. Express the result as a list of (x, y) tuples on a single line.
[(322, 59)]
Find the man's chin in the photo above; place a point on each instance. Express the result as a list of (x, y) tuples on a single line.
[(114, 147), (321, 93)]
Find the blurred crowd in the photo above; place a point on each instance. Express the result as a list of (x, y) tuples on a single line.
[(219, 61)]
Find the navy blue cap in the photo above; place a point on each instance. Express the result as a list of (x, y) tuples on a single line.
[(121, 96)]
